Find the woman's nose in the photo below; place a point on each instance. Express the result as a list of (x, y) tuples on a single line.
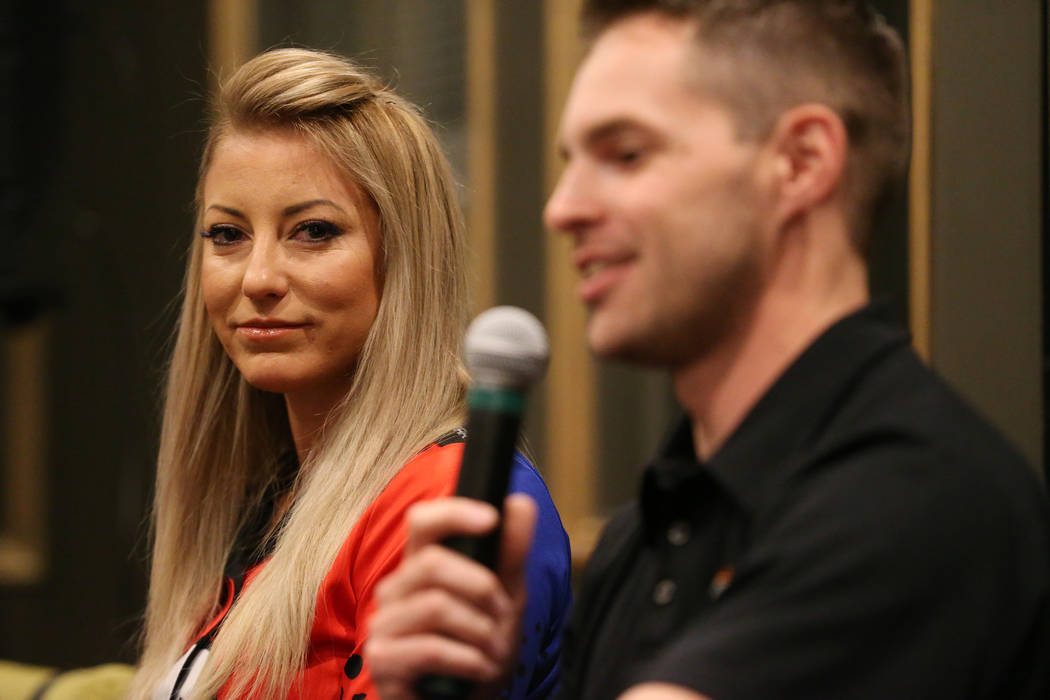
[(264, 275)]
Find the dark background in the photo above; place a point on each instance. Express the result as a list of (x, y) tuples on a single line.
[(102, 107)]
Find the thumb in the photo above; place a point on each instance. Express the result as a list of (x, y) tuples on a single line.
[(519, 523)]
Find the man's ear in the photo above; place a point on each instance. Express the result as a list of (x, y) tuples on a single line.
[(808, 147)]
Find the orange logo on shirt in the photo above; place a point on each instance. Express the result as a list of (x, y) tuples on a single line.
[(721, 580)]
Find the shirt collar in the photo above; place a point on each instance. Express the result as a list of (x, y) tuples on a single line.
[(788, 418)]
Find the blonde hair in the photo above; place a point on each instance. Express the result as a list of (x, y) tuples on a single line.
[(222, 439)]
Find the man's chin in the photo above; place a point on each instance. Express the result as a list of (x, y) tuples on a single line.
[(618, 345)]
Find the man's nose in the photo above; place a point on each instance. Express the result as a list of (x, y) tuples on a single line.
[(572, 206)]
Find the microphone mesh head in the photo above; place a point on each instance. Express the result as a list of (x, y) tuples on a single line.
[(506, 347)]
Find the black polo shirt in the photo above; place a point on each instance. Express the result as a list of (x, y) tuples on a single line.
[(862, 534)]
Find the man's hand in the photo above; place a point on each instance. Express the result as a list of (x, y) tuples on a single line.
[(440, 612)]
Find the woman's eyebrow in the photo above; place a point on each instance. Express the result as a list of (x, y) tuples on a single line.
[(296, 208), (229, 210), (290, 210)]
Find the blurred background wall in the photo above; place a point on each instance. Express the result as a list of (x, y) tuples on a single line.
[(102, 108)]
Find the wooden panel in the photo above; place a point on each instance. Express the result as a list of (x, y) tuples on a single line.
[(571, 414), (919, 204), (481, 147), (23, 537), (232, 35), (1045, 188)]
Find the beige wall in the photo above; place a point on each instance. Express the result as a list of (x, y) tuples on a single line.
[(986, 228)]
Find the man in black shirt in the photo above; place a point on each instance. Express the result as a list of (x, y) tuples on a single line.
[(829, 520), (860, 534)]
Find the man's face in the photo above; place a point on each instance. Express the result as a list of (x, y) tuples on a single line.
[(660, 197)]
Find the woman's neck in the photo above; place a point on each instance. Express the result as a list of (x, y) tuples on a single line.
[(307, 414)]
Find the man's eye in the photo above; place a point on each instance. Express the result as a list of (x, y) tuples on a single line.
[(222, 235), (626, 156), (315, 231)]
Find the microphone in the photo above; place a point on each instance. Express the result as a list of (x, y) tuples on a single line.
[(506, 349)]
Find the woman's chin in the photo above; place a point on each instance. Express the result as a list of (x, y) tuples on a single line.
[(274, 383), (317, 392)]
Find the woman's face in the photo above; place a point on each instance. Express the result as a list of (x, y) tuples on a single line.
[(289, 269)]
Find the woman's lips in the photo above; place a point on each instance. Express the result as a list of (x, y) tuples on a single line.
[(264, 333)]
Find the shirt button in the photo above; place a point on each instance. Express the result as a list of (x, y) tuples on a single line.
[(679, 532), (663, 591)]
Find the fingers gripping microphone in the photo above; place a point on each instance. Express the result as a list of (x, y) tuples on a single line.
[(507, 351)]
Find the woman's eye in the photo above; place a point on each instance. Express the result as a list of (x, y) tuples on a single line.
[(316, 231), (222, 235)]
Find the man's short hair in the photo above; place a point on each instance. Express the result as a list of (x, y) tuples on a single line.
[(762, 57)]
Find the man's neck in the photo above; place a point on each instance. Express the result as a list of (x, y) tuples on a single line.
[(798, 304)]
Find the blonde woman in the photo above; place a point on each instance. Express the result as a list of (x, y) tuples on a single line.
[(315, 392)]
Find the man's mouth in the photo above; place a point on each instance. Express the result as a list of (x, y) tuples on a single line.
[(594, 268)]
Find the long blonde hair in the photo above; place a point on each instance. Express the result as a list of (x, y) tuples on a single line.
[(222, 439)]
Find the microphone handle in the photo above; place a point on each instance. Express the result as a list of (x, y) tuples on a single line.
[(494, 417)]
